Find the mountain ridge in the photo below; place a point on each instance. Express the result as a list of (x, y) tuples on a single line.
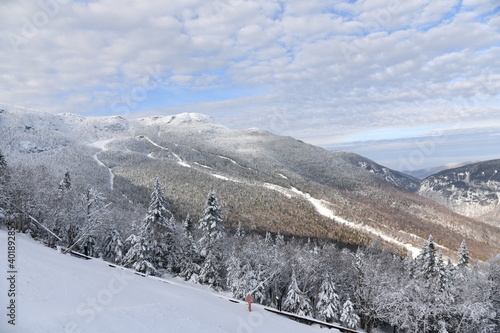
[(255, 173)]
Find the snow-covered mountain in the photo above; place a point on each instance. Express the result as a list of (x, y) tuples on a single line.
[(471, 190), (424, 173), (266, 182), (397, 178), (57, 293)]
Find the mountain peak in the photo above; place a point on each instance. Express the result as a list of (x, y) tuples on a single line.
[(181, 118)]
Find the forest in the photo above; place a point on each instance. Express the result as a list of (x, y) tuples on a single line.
[(358, 286)]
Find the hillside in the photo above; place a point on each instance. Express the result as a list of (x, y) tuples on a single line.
[(424, 173), (264, 181), (58, 293), (471, 190)]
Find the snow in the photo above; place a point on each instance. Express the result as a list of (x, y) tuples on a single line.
[(323, 208), (182, 118), (58, 293), (233, 161), (102, 146), (203, 166), (177, 157)]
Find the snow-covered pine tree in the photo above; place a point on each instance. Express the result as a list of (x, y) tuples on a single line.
[(189, 266), (212, 270), (156, 246), (426, 260), (463, 257), (65, 183), (113, 247), (328, 306), (349, 318), (443, 274), (160, 232), (138, 256), (296, 301), (280, 240), (269, 238)]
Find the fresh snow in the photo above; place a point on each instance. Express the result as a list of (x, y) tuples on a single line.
[(102, 146), (59, 293), (177, 157), (203, 166), (323, 208)]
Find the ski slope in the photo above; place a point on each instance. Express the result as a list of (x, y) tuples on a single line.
[(60, 293)]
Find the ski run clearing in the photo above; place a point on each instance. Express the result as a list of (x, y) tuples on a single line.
[(58, 293), (102, 146)]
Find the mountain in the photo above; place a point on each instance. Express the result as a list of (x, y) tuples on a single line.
[(57, 293), (424, 173), (266, 182), (472, 190), (397, 178)]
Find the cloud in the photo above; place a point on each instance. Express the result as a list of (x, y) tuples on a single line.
[(320, 71)]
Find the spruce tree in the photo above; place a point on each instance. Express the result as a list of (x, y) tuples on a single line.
[(463, 257), (349, 318), (113, 247), (65, 184), (156, 247), (280, 240), (328, 306), (426, 260), (296, 301), (212, 270), (269, 238), (189, 266)]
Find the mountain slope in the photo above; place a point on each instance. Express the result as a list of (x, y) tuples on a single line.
[(264, 181), (424, 173), (60, 293), (397, 178), (472, 190)]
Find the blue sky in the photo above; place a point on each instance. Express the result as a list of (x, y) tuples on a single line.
[(339, 74)]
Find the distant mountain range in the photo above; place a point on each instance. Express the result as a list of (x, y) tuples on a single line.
[(424, 173), (264, 181), (472, 190)]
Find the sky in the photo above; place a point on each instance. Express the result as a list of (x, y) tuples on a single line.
[(409, 84)]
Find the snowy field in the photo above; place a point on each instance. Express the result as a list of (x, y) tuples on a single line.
[(59, 293)]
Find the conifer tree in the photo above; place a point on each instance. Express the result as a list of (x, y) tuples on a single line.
[(269, 238), (349, 318), (328, 306), (280, 239), (65, 184), (212, 271), (296, 301), (113, 247), (463, 257), (189, 266), (426, 260), (155, 247)]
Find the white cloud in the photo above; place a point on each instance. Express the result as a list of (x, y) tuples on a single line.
[(316, 70)]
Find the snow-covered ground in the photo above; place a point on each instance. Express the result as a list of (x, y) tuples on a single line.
[(60, 293)]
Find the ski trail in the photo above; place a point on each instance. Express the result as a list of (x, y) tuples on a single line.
[(179, 160), (102, 146), (234, 162), (323, 208)]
